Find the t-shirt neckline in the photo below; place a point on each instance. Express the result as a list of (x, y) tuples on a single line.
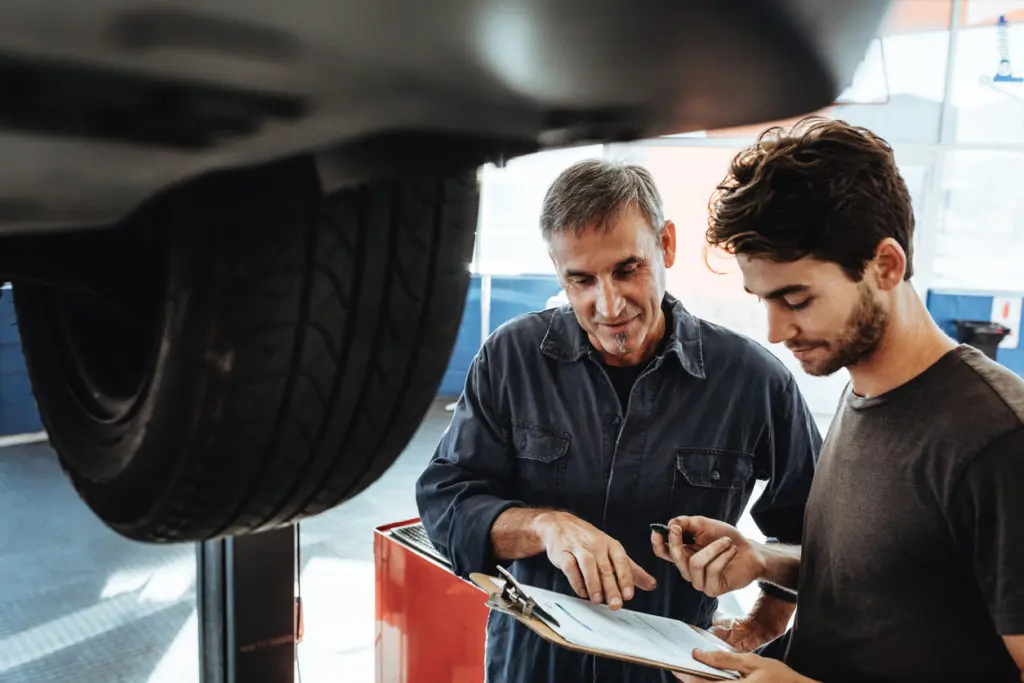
[(864, 402)]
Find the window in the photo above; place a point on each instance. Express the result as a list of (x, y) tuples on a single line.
[(511, 197), (898, 88), (987, 111), (980, 242)]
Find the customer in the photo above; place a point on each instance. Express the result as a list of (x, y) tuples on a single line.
[(912, 564), (580, 426)]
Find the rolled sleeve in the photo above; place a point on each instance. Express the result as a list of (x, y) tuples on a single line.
[(466, 485), (787, 458)]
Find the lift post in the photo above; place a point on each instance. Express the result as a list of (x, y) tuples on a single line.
[(247, 608)]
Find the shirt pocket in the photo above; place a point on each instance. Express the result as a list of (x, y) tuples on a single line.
[(712, 482), (541, 462)]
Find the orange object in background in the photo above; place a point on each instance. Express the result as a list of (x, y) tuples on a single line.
[(430, 624)]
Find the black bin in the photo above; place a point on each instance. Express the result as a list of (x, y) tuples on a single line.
[(981, 334)]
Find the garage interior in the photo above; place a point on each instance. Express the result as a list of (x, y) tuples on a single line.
[(943, 83)]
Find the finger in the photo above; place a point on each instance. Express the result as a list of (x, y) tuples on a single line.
[(591, 575), (715, 581), (572, 572), (642, 579), (743, 663), (660, 546), (678, 553), (678, 536), (623, 570), (700, 561), (696, 525), (609, 582)]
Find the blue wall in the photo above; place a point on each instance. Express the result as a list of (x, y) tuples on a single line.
[(946, 307), (18, 413), (510, 297), (466, 344)]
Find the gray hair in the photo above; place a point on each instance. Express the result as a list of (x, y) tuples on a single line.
[(590, 193)]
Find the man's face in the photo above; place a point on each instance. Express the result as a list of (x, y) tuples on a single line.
[(827, 320), (615, 282)]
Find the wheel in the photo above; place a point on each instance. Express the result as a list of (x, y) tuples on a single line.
[(247, 351)]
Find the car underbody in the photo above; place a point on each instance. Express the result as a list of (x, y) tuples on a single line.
[(238, 232)]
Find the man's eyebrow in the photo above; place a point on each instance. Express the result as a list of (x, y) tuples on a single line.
[(631, 261), (782, 291)]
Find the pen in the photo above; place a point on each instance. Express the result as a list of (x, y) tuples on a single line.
[(688, 537)]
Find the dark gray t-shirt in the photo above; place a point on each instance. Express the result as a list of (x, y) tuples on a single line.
[(913, 550)]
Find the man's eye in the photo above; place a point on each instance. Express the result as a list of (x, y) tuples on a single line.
[(799, 306), (626, 271), (579, 281)]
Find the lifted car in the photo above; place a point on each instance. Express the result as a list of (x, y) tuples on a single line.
[(239, 232)]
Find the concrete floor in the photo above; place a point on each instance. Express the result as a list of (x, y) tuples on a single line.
[(79, 603)]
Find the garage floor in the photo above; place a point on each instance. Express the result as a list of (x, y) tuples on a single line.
[(79, 603)]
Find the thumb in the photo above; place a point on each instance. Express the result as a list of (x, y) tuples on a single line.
[(641, 579), (744, 663)]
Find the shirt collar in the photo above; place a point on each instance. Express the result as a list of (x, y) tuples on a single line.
[(566, 341)]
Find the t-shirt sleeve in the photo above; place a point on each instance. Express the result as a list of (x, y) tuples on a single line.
[(987, 518), (787, 459)]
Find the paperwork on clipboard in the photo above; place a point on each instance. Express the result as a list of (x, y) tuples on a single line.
[(621, 634)]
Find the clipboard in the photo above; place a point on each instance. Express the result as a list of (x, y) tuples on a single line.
[(512, 599)]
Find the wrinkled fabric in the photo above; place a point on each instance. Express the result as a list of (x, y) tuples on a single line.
[(539, 424)]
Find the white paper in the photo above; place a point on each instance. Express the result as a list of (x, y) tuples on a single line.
[(626, 632), (1006, 311)]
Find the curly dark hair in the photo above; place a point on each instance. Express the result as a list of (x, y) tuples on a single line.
[(824, 189)]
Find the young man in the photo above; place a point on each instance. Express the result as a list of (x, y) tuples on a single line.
[(912, 563), (580, 426)]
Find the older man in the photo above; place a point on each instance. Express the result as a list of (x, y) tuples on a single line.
[(580, 426)]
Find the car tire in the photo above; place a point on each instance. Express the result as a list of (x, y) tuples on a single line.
[(261, 351)]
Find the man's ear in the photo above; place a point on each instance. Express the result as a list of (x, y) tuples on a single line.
[(890, 264), (668, 243)]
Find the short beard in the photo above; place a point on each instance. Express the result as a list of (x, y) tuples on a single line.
[(622, 341), (861, 336)]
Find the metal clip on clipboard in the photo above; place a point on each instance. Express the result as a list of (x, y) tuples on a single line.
[(513, 600)]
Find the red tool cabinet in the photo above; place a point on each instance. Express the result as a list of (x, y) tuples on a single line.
[(430, 624)]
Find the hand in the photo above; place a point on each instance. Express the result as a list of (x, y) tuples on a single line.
[(719, 561), (744, 633), (752, 668), (595, 563)]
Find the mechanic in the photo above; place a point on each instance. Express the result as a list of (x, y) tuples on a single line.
[(580, 426), (911, 566)]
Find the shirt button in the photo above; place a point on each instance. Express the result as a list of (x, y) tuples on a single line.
[(715, 476)]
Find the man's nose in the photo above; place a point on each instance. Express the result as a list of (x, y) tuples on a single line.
[(780, 325), (610, 301)]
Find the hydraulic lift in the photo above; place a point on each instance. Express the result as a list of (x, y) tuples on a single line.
[(249, 617)]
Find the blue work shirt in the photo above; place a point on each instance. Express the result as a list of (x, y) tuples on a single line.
[(539, 424)]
